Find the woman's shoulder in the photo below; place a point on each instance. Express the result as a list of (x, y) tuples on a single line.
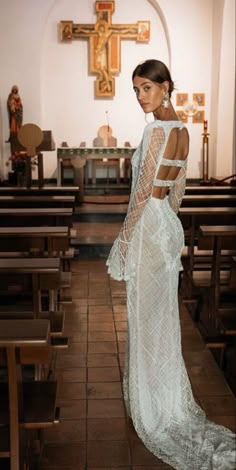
[(164, 127)]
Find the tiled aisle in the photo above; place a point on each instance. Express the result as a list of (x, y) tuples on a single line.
[(94, 432)]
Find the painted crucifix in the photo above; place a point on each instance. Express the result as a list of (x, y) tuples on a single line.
[(104, 43)]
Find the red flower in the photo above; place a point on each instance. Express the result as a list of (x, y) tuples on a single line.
[(18, 160)]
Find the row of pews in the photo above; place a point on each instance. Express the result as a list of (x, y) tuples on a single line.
[(208, 281), (35, 257)]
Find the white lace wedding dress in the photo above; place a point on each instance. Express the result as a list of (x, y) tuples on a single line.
[(146, 254)]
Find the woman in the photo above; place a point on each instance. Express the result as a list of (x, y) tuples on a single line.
[(146, 255)]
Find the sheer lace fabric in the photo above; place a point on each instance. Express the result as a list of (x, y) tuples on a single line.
[(147, 254)]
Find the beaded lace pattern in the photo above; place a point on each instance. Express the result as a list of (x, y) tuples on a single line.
[(146, 254)]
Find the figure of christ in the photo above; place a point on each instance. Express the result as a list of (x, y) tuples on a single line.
[(103, 31)]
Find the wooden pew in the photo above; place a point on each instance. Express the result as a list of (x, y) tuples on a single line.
[(35, 287), (44, 191), (210, 189), (209, 200), (193, 217), (35, 216), (31, 405), (50, 240), (222, 319), (46, 242), (217, 307), (44, 274), (37, 201)]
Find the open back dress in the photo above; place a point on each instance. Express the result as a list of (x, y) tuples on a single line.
[(147, 255)]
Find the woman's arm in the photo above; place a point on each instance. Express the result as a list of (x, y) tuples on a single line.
[(141, 193)]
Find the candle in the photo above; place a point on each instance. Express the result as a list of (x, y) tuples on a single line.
[(205, 126)]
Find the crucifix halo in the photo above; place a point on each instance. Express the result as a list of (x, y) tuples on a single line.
[(104, 43)]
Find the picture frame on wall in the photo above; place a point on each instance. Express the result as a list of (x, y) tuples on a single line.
[(199, 98), (181, 98), (198, 117), (66, 31), (181, 116), (143, 31)]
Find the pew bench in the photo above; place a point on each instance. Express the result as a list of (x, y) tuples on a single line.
[(31, 405), (37, 201), (209, 200), (191, 219), (36, 274), (36, 216), (210, 189), (30, 241), (46, 190), (220, 238), (196, 259), (49, 240), (216, 311), (56, 319)]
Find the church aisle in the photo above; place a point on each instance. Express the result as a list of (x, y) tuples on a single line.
[(94, 432)]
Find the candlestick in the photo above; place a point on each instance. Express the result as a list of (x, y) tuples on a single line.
[(205, 126), (205, 152)]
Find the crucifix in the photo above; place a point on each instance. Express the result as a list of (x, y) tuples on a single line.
[(104, 43)]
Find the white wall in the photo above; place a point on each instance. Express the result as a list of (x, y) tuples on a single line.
[(58, 92)]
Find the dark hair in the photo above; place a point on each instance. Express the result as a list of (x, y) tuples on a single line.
[(156, 71)]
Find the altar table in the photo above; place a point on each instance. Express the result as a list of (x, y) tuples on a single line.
[(78, 157)]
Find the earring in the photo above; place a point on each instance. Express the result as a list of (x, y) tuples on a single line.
[(165, 100)]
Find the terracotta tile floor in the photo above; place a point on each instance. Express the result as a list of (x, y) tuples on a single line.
[(94, 432)]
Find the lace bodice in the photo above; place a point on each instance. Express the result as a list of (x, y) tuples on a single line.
[(146, 163)]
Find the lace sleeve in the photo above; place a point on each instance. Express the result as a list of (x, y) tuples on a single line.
[(177, 191), (141, 193)]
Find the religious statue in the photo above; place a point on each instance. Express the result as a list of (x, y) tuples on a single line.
[(103, 31), (15, 111)]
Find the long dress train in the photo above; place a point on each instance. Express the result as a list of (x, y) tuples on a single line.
[(157, 389)]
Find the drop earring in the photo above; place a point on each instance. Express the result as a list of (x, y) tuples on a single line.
[(165, 100)]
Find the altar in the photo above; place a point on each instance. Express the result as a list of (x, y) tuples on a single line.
[(78, 159)]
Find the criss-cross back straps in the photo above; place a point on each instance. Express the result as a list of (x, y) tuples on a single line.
[(169, 162), (162, 183)]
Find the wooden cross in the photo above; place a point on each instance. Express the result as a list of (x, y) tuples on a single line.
[(104, 43)]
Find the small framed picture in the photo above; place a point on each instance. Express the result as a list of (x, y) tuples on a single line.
[(198, 117), (66, 30), (182, 116), (181, 98), (143, 31), (199, 98)]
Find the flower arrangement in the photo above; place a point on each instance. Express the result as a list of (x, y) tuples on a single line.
[(18, 161)]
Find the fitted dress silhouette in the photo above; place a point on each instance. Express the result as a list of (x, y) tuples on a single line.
[(147, 255)]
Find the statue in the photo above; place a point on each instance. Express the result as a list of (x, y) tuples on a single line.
[(15, 111)]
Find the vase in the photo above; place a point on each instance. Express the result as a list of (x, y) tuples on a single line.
[(20, 178)]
